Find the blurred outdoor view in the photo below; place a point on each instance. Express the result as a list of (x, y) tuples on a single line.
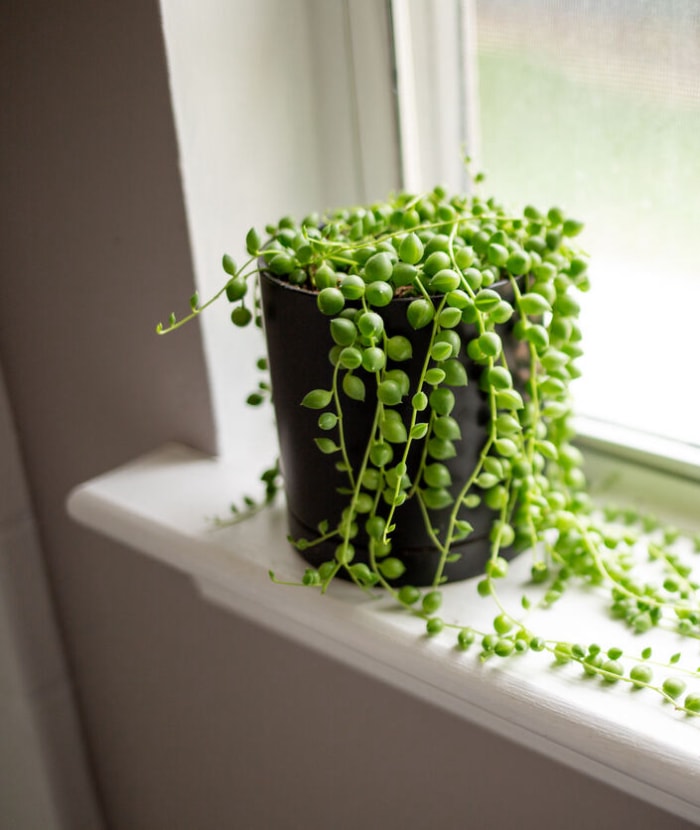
[(594, 105)]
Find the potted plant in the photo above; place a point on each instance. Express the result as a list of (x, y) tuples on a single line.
[(421, 351)]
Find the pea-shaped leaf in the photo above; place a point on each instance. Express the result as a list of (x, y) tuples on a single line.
[(252, 242), (555, 410), (553, 358), (441, 449), (403, 274), (364, 503), (371, 478), (509, 399), (434, 376), (317, 399), (419, 401), (567, 305), (437, 475), (437, 498), (436, 261), (487, 299), (518, 263), (370, 324), (394, 431), (538, 336), (378, 267), (379, 293), (555, 215), (350, 357), (533, 304), (391, 568), (474, 278), (499, 378), (411, 249), (400, 377), (281, 264), (552, 386), (440, 351), (381, 454), (345, 553), (489, 344), (445, 280), (506, 447), (328, 420), (373, 359), (464, 528), (497, 254), (486, 480), (545, 271), (304, 254), (458, 299), (432, 602), (507, 425), (228, 264), (419, 431), (325, 277), (572, 227), (442, 401), (326, 445), (493, 465), (451, 337), (354, 387), (241, 316), (450, 317), (547, 448), (362, 574), (502, 312), (352, 286), (343, 331), (455, 373), (464, 257), (330, 301), (236, 289), (577, 266), (374, 527), (446, 427), (399, 348), (389, 392), (420, 313)]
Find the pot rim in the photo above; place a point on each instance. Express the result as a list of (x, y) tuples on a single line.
[(400, 299)]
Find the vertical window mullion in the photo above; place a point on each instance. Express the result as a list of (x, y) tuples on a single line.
[(435, 65)]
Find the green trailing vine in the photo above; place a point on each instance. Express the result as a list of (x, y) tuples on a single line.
[(458, 260)]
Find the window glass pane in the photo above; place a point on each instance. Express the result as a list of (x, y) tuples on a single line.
[(594, 105)]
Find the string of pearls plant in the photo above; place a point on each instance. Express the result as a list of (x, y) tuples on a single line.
[(447, 254)]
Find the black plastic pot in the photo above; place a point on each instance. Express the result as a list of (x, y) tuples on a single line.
[(298, 341)]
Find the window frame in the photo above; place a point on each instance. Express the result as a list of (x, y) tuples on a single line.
[(379, 99), (417, 28)]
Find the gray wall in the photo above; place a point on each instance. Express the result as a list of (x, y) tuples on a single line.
[(45, 781), (193, 718)]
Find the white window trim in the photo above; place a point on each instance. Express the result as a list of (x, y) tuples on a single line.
[(437, 100), (159, 506), (653, 451)]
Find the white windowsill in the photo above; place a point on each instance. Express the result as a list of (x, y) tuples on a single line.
[(162, 505)]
